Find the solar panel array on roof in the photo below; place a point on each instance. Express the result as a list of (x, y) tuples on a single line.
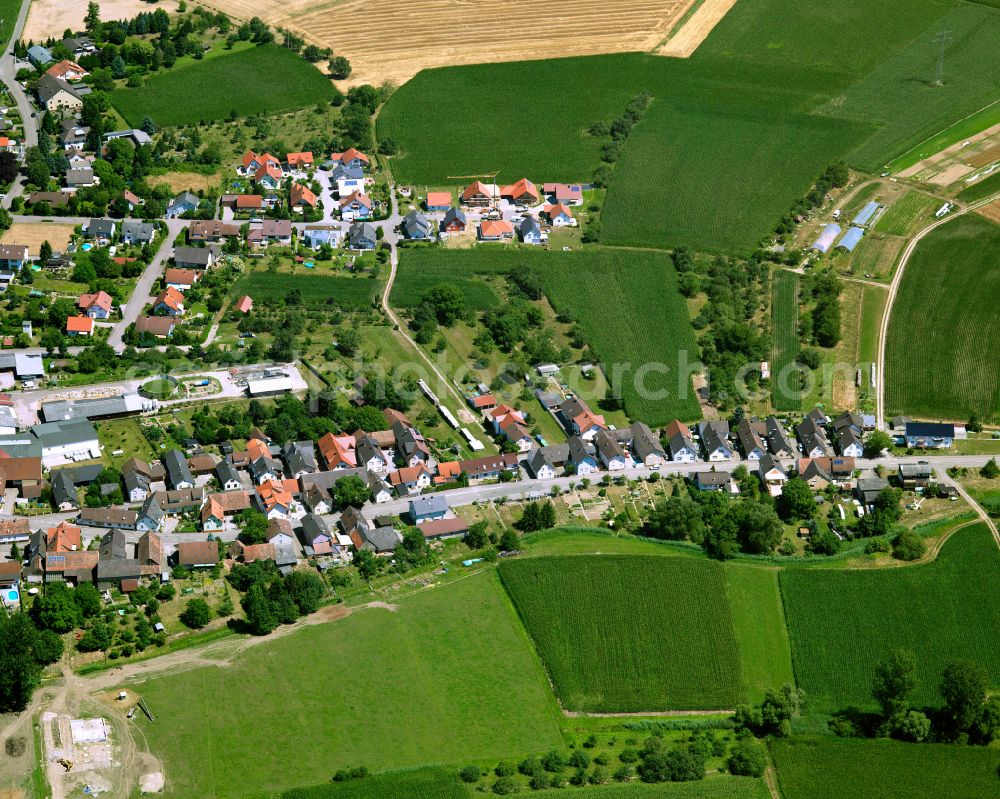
[(827, 237), (865, 214), (851, 239)]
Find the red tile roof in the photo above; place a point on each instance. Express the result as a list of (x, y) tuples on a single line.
[(244, 304), (79, 324), (101, 299)]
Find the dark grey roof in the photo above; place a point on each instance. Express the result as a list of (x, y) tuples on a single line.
[(778, 440), (119, 569), (199, 256), (537, 460), (713, 439), (529, 226), (300, 456), (144, 231), (225, 472), (380, 539), (49, 87), (453, 214), (929, 430), (713, 478), (63, 488), (177, 467), (314, 527), (848, 419), (416, 225), (362, 231), (579, 450), (679, 442), (151, 508), (769, 462), (607, 446), (114, 545), (431, 504), (749, 436), (101, 227), (186, 197), (920, 469), (645, 442), (64, 433)]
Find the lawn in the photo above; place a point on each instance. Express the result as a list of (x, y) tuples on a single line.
[(872, 305), (908, 214), (785, 332), (842, 623), (344, 292), (630, 633), (626, 301), (876, 255), (937, 364), (424, 684), (210, 89), (869, 769)]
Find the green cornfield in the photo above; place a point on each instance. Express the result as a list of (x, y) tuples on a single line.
[(843, 622), (981, 190), (333, 290), (785, 334), (875, 769), (623, 633), (427, 783), (940, 358), (716, 787)]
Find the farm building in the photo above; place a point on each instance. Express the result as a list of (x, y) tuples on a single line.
[(827, 238), (866, 214), (851, 239)]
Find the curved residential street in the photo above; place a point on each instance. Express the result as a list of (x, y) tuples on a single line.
[(8, 73)]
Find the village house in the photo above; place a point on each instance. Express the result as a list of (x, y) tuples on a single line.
[(559, 215), (299, 161), (136, 232), (102, 231), (351, 157), (425, 509), (454, 221), (155, 326), (169, 302), (67, 70), (252, 162), (410, 479), (531, 232), (417, 227), (612, 455), (57, 95), (362, 236), (582, 459), (772, 474), (438, 200), (929, 435), (212, 231), (750, 433), (713, 481), (184, 203), (523, 193), (302, 197), (714, 435), (355, 206), (681, 443), (490, 467), (194, 257), (563, 193), (277, 231), (348, 180), (495, 230), (197, 554), (79, 326), (180, 279), (577, 418)]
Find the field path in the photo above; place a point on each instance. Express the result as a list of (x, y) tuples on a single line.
[(897, 278), (987, 519)]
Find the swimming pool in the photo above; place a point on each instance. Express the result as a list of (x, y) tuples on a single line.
[(87, 247)]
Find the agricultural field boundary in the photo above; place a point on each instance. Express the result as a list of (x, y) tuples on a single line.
[(695, 28)]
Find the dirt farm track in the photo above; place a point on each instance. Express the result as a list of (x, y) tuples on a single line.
[(393, 40)]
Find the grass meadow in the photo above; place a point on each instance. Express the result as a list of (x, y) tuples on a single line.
[(785, 331), (448, 677), (880, 769), (937, 365), (723, 786), (627, 301), (344, 292), (630, 634), (843, 622), (264, 79)]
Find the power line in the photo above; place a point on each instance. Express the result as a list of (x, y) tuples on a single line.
[(941, 40)]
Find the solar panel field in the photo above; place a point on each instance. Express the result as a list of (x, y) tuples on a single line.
[(625, 633), (843, 622), (945, 309)]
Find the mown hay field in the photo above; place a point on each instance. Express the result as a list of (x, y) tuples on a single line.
[(626, 301), (622, 633), (939, 361), (263, 79), (785, 336), (387, 40), (877, 769), (448, 677), (842, 623), (343, 292)]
